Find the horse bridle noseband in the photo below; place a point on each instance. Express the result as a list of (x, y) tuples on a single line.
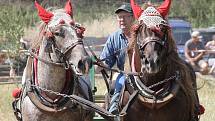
[(62, 55)]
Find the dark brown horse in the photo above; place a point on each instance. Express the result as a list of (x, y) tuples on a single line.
[(165, 82), (54, 69)]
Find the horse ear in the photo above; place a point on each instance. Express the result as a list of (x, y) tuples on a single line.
[(137, 10), (68, 8), (44, 15), (163, 9)]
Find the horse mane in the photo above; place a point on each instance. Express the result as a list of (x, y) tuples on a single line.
[(187, 80), (174, 62), (36, 41)]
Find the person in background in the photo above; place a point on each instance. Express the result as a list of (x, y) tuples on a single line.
[(114, 51), (210, 45), (194, 51)]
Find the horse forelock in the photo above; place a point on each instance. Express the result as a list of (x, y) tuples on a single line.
[(59, 15)]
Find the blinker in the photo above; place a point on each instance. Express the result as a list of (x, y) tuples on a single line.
[(48, 45)]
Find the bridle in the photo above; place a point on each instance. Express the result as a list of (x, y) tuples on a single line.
[(161, 41), (51, 47)]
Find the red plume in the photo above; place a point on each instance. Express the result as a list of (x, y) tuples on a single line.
[(137, 10), (43, 14), (163, 9), (68, 8)]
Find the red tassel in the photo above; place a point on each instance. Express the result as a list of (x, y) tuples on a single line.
[(44, 15), (16, 92), (80, 32), (72, 23), (62, 21), (201, 110), (68, 8)]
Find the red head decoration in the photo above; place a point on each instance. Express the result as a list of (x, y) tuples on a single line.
[(163, 9), (46, 16)]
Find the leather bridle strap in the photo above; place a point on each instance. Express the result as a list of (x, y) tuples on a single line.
[(152, 39), (129, 103), (63, 54), (73, 46), (43, 60)]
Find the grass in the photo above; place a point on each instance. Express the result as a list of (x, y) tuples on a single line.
[(206, 95), (6, 112)]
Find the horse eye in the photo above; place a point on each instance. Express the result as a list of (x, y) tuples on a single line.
[(60, 33)]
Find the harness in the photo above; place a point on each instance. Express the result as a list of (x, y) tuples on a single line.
[(31, 88)]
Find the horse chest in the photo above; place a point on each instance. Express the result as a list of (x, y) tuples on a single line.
[(175, 110)]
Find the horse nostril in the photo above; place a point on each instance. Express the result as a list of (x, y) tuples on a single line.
[(158, 61), (146, 61)]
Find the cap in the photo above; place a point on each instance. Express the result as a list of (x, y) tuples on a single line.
[(196, 34), (125, 7)]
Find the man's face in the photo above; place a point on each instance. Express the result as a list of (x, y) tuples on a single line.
[(195, 39), (125, 20)]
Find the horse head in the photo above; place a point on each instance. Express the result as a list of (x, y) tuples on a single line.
[(151, 36), (62, 38)]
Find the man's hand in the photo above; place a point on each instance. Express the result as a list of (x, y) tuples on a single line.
[(100, 66), (192, 63)]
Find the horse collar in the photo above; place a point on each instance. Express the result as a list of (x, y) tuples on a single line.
[(156, 99)]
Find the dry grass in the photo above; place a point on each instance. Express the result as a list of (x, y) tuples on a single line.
[(6, 112), (95, 28), (101, 28), (206, 95)]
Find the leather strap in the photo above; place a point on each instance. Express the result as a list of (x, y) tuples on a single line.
[(39, 105), (129, 103)]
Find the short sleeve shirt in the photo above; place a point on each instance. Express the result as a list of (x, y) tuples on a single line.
[(114, 51), (191, 46)]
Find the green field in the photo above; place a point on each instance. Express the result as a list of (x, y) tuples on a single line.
[(206, 95)]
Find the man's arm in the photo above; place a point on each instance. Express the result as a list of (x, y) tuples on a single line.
[(207, 46), (108, 53), (200, 55), (187, 54), (105, 55)]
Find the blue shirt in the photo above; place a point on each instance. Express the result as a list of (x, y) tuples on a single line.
[(114, 51)]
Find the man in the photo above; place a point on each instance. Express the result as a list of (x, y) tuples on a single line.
[(114, 51), (194, 54)]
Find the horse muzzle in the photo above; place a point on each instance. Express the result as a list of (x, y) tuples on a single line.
[(85, 64), (151, 66)]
